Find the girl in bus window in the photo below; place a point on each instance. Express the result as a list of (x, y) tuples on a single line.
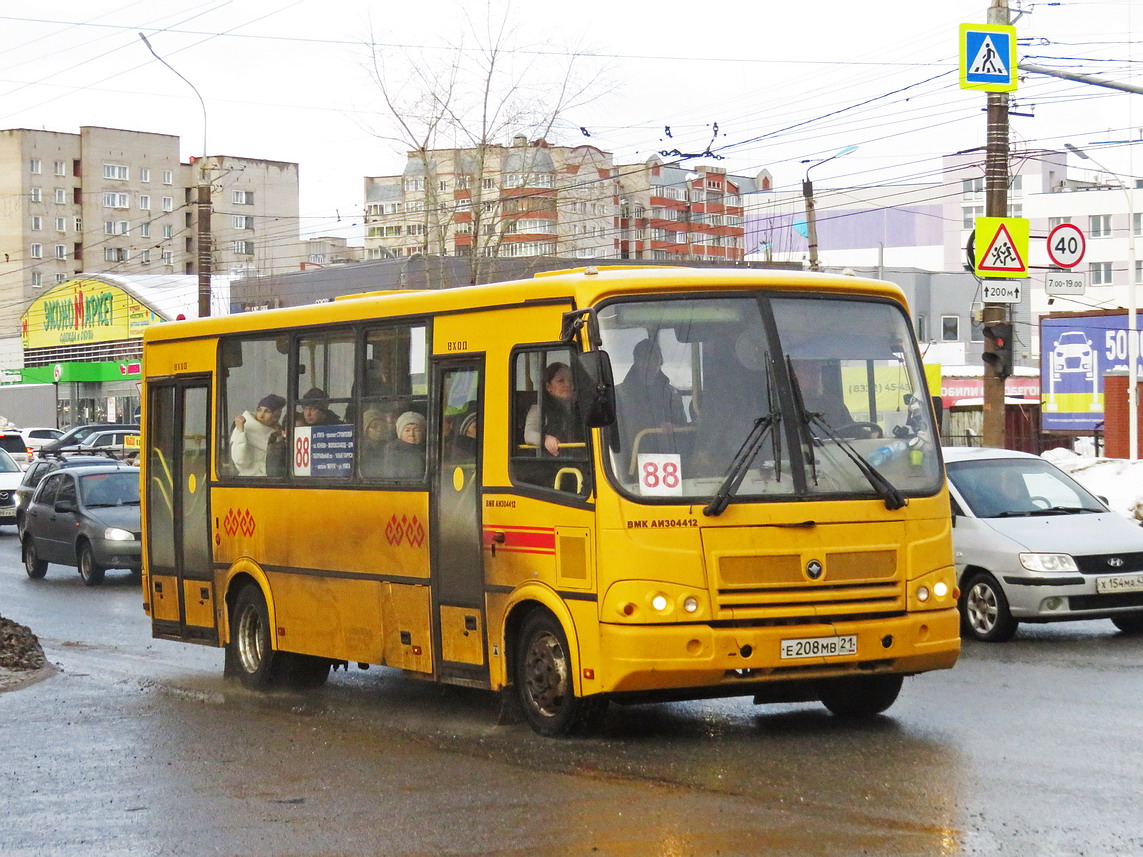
[(254, 433), (556, 420)]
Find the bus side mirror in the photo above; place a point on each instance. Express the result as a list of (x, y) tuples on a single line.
[(595, 387), (939, 411)]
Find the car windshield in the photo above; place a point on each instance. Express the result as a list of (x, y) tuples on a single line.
[(110, 489), (757, 397), (7, 465), (1019, 487)]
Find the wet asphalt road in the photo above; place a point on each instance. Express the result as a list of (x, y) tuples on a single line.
[(138, 747)]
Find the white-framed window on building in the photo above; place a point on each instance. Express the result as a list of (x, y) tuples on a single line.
[(144, 202), (35, 166), (972, 188), (119, 172), (60, 168), (37, 195), (79, 224), (37, 223), (61, 278), (1099, 226), (242, 221), (145, 256), (144, 174), (168, 257), (463, 205), (1137, 224), (109, 227), (242, 197), (168, 203), (1016, 185), (488, 184), (145, 229), (61, 251), (37, 251), (950, 328), (1015, 210), (168, 230), (463, 182), (922, 328), (1100, 273), (414, 229), (123, 227), (414, 184), (1138, 271), (37, 279), (969, 213), (116, 200), (115, 254), (442, 185), (61, 196), (1053, 222), (61, 224), (168, 177), (243, 248)]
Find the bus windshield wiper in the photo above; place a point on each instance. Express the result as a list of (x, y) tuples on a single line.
[(738, 467), (885, 489)]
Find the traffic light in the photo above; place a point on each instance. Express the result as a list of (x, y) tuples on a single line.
[(1000, 357)]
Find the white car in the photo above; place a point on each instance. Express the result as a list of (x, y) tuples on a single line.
[(1033, 545), (37, 436), (10, 476)]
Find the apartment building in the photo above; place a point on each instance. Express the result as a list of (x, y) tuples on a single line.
[(682, 213), (114, 201), (529, 198)]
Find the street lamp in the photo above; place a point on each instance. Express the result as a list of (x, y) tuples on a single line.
[(1132, 327), (808, 193), (205, 245)]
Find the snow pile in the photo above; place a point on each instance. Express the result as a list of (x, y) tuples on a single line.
[(1118, 480)]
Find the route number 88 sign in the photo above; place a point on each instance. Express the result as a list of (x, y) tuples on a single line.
[(660, 475)]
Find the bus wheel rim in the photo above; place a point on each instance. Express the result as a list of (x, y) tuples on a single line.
[(546, 675), (250, 650)]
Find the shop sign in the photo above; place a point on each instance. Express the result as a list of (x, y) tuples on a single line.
[(82, 312)]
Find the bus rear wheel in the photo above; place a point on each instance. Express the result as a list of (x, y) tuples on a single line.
[(858, 697), (544, 681), (250, 654)]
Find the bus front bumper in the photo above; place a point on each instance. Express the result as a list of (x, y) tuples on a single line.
[(676, 657)]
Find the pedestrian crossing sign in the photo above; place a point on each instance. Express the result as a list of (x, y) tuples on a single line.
[(988, 57), (1002, 246)]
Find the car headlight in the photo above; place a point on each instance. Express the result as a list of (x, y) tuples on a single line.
[(114, 534), (1048, 562)]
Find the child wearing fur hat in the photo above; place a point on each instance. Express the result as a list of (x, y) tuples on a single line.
[(254, 433), (405, 456)]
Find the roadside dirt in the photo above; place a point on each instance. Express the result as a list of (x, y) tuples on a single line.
[(21, 658)]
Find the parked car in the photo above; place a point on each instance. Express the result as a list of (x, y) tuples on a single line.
[(86, 517), (41, 467), (1033, 545), (13, 443), (10, 476), (36, 436), (77, 434)]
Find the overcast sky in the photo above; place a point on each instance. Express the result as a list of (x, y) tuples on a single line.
[(784, 81)]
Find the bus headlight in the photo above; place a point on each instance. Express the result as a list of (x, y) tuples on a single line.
[(659, 602), (690, 604)]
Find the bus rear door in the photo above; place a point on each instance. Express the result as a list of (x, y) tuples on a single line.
[(180, 559)]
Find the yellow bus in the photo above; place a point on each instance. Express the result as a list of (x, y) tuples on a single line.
[(599, 485)]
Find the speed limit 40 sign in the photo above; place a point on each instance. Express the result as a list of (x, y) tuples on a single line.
[(1066, 245)]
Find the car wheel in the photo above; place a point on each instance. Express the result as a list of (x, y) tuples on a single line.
[(984, 610), (35, 566), (1132, 623), (250, 654), (544, 681), (858, 697), (91, 571)]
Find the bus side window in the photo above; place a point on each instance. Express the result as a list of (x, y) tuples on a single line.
[(549, 440), (393, 381), (251, 408)]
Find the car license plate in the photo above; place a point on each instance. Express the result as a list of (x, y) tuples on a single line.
[(1121, 583), (7, 511), (820, 647)]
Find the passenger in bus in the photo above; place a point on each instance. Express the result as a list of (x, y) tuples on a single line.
[(376, 385), (816, 398), (377, 427), (463, 446), (315, 409), (405, 456), (558, 421), (645, 399), (255, 435)]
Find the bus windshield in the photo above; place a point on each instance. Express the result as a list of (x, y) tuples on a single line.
[(767, 398)]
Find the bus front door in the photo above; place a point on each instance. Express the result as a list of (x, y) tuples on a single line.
[(457, 551), (179, 556)]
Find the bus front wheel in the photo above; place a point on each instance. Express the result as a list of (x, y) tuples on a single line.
[(250, 654), (544, 681), (858, 697)]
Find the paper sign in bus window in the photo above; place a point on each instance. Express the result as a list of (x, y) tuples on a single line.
[(660, 474)]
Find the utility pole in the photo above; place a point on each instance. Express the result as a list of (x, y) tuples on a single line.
[(995, 205), (205, 257)]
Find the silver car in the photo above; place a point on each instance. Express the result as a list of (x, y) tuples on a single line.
[(1033, 545)]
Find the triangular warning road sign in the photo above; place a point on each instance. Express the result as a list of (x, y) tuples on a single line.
[(1002, 254), (988, 60)]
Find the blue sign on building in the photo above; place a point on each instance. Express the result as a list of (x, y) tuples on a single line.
[(1075, 353)]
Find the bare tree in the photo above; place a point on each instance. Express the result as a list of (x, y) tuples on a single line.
[(452, 109)]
